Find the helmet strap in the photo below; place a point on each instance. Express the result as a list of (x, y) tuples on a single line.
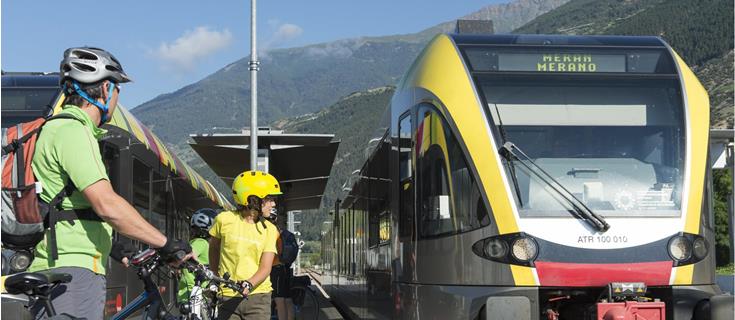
[(103, 108)]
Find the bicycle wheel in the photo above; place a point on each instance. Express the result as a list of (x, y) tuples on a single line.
[(305, 302)]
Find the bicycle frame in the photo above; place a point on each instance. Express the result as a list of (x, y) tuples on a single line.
[(150, 298), (146, 262), (196, 298), (199, 304)]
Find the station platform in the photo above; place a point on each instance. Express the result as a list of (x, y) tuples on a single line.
[(327, 310)]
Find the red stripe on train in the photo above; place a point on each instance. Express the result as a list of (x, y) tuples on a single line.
[(595, 275)]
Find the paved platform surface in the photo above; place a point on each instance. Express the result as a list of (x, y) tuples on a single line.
[(726, 283), (327, 311)]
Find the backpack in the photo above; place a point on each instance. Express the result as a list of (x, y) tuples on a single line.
[(24, 215), (289, 248)]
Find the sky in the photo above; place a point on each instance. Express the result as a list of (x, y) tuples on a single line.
[(165, 45)]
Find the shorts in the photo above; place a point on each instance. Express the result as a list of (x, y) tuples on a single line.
[(255, 307), (84, 296), (281, 281)]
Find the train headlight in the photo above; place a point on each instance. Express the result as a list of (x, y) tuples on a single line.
[(496, 248), (511, 248), (20, 261), (524, 249), (699, 248), (680, 248)]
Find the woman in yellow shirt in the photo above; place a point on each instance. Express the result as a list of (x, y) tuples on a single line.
[(243, 244)]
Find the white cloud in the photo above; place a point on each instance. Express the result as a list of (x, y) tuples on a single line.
[(184, 52), (339, 49), (284, 33)]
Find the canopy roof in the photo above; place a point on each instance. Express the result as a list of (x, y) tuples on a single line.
[(301, 162)]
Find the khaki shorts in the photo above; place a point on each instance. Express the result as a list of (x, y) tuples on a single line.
[(256, 307)]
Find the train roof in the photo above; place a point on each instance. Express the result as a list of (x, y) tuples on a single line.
[(302, 182), (30, 79), (558, 40), (123, 119)]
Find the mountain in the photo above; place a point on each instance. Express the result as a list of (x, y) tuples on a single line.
[(303, 80), (353, 120), (701, 32)]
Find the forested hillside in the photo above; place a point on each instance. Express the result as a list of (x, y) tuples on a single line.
[(701, 32), (352, 120)]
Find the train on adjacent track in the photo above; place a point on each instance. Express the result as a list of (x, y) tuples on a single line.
[(532, 177), (141, 169)]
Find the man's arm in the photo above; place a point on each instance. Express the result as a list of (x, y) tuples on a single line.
[(214, 247), (121, 215)]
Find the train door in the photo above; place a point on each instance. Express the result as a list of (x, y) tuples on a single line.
[(449, 204), (406, 256)]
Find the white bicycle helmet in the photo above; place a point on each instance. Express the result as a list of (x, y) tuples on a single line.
[(203, 218), (90, 65)]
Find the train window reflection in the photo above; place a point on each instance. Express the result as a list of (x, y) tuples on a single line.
[(405, 174), (618, 147), (141, 190), (28, 98), (450, 198), (159, 201)]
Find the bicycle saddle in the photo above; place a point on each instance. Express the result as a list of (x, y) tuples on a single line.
[(27, 281)]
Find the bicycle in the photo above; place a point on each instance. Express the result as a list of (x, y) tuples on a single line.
[(37, 286), (146, 263), (30, 288), (203, 301)]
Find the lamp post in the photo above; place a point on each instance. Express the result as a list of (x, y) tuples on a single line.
[(254, 66)]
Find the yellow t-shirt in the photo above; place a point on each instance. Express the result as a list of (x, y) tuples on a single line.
[(241, 245)]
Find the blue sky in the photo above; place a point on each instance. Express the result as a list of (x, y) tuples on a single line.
[(165, 45)]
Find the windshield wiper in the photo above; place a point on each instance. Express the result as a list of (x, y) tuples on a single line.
[(584, 212)]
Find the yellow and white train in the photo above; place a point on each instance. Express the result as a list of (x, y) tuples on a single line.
[(533, 177)]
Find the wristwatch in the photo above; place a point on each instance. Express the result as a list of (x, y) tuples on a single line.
[(247, 285)]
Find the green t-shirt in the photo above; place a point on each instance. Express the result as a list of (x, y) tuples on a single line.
[(201, 247), (68, 150)]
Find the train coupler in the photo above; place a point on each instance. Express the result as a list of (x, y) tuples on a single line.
[(631, 310), (627, 302)]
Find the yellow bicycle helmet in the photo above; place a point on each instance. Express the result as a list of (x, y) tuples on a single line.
[(254, 183)]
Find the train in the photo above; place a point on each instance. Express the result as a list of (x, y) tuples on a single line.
[(532, 177), (141, 168)]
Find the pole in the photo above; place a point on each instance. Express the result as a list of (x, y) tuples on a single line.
[(254, 67), (730, 205)]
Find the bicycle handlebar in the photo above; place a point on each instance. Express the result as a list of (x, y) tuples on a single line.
[(202, 271), (147, 259)]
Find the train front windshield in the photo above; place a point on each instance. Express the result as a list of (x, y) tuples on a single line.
[(617, 143)]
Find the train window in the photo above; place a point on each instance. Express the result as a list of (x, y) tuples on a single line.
[(373, 229), (618, 146), (405, 175), (110, 156), (36, 99), (141, 189), (159, 202), (448, 195)]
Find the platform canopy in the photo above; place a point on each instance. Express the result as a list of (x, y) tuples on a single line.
[(301, 162), (721, 148)]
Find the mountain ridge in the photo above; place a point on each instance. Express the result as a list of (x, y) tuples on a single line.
[(305, 79)]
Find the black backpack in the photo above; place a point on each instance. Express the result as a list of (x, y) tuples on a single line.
[(289, 249)]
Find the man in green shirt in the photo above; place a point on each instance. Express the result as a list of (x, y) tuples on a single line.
[(201, 222), (67, 153)]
